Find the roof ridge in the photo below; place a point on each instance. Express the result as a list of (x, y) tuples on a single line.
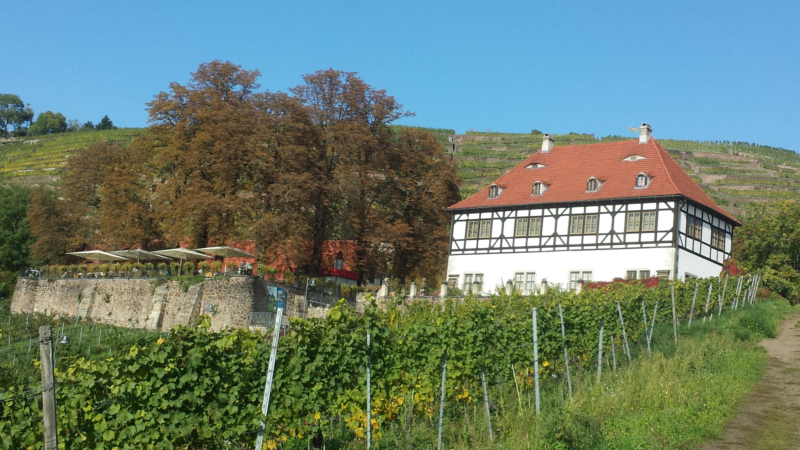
[(659, 152)]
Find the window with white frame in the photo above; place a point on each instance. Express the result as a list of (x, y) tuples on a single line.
[(530, 281), (521, 227), (494, 191), (634, 221), (479, 280), (535, 227), (590, 224), (592, 185), (694, 227), (637, 274), (574, 277), (452, 281), (519, 280), (486, 229), (579, 277), (642, 180), (538, 188), (528, 227), (472, 229), (648, 221), (583, 224), (717, 238), (576, 225)]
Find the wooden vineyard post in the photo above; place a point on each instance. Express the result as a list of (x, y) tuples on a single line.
[(516, 385), (273, 353), (646, 335), (725, 288), (48, 388), (624, 335), (674, 314), (441, 401), (739, 290), (652, 325), (566, 355), (614, 354), (600, 351), (535, 360), (708, 299), (691, 310), (369, 392), (486, 403)]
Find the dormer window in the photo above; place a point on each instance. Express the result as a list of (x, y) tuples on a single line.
[(634, 158), (535, 166), (538, 188), (592, 185), (642, 181), (494, 191)]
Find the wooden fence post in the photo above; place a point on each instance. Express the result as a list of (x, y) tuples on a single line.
[(48, 388)]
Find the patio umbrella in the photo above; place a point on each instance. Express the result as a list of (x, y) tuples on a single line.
[(181, 254), (225, 252), (98, 255), (140, 255)]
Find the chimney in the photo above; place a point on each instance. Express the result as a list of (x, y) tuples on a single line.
[(645, 133), (548, 143)]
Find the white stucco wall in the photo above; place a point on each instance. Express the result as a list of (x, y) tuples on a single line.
[(695, 265), (605, 265)]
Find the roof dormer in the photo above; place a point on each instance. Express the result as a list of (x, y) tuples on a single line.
[(539, 188), (495, 191), (533, 166), (593, 184), (643, 181), (632, 158)]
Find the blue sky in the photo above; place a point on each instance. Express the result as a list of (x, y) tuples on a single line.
[(707, 70)]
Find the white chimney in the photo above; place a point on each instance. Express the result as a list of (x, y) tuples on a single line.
[(548, 143), (645, 133)]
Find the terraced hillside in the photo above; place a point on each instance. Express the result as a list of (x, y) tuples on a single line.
[(732, 173), (39, 160)]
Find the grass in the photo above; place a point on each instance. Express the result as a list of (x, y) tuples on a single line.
[(678, 398)]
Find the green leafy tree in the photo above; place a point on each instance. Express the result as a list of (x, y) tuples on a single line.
[(13, 113), (15, 237), (88, 126), (105, 124), (769, 240), (49, 123)]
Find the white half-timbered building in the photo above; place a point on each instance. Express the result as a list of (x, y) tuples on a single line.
[(583, 213)]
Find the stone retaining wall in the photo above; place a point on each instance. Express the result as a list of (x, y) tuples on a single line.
[(127, 302)]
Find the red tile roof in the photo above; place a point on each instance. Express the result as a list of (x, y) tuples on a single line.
[(569, 167)]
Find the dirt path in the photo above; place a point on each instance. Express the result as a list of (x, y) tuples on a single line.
[(770, 416)]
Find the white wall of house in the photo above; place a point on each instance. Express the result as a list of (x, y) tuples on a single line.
[(605, 265), (697, 266)]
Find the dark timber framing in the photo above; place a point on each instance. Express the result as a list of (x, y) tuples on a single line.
[(617, 208)]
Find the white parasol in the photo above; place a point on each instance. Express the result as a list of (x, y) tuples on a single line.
[(181, 254), (225, 252), (140, 255), (98, 255)]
